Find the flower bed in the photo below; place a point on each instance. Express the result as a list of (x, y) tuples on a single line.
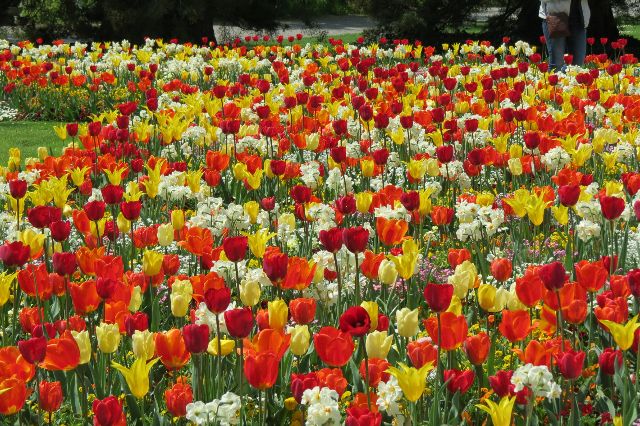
[(320, 234)]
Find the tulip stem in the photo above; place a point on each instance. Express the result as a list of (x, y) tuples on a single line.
[(559, 329), (366, 371), (218, 358), (357, 289), (339, 277)]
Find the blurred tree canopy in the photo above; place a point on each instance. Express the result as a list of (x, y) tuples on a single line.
[(433, 21)]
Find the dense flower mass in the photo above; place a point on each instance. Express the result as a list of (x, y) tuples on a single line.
[(321, 234)]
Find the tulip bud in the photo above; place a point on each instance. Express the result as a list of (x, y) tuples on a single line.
[(363, 201), (143, 343), (378, 344), (299, 340), (108, 337), (278, 314), (226, 346), (124, 225), (250, 293), (177, 219), (515, 166), (486, 297), (165, 234), (136, 299), (152, 263), (181, 295), (407, 322), (387, 272)]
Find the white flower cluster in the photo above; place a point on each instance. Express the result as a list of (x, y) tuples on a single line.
[(7, 113), (389, 393), (477, 222), (556, 159), (322, 406), (538, 379), (224, 411)]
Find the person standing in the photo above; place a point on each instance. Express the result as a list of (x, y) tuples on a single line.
[(576, 42)]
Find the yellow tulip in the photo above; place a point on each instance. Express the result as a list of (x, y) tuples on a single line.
[(250, 292), (367, 167), (137, 376), (181, 295), (378, 344), (61, 131), (486, 296), (622, 334), (278, 314), (535, 209), (151, 262), (406, 263), (136, 299), (34, 240), (417, 168), (387, 272), (463, 279), (258, 242), (560, 214), (407, 322), (193, 180), (226, 346), (412, 381), (177, 219), (108, 336), (124, 225), (251, 208), (501, 412), (115, 175), (300, 338), (363, 201), (6, 281), (425, 202), (143, 344), (84, 344), (165, 234), (372, 310)]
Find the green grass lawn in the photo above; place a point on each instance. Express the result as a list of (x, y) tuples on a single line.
[(631, 30), (28, 136)]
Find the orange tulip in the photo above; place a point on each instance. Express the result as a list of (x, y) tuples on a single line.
[(303, 310), (84, 297), (87, 258), (371, 263), (615, 310), (515, 325), (454, 330), (535, 353), (14, 394), (530, 288), (33, 277), (391, 231), (63, 353), (591, 275), (299, 275), (501, 269), (171, 349), (477, 348), (12, 364), (268, 340), (422, 351), (456, 256), (197, 240), (332, 378), (377, 371), (261, 369)]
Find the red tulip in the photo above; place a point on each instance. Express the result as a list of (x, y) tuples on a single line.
[(438, 296), (235, 248), (355, 239), (570, 363), (177, 398), (131, 209), (410, 200), (333, 346), (610, 360), (301, 194), (444, 153), (41, 216), (64, 263), (217, 299), (239, 322), (94, 210), (60, 230), (611, 207), (138, 321), (515, 325), (569, 195), (50, 394), (107, 412), (501, 383), (196, 337), (633, 277), (301, 382), (274, 265), (112, 194), (261, 369), (501, 269), (355, 321), (14, 254), (303, 310), (331, 239), (33, 350), (361, 416), (17, 188), (346, 205), (459, 380), (553, 275)]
